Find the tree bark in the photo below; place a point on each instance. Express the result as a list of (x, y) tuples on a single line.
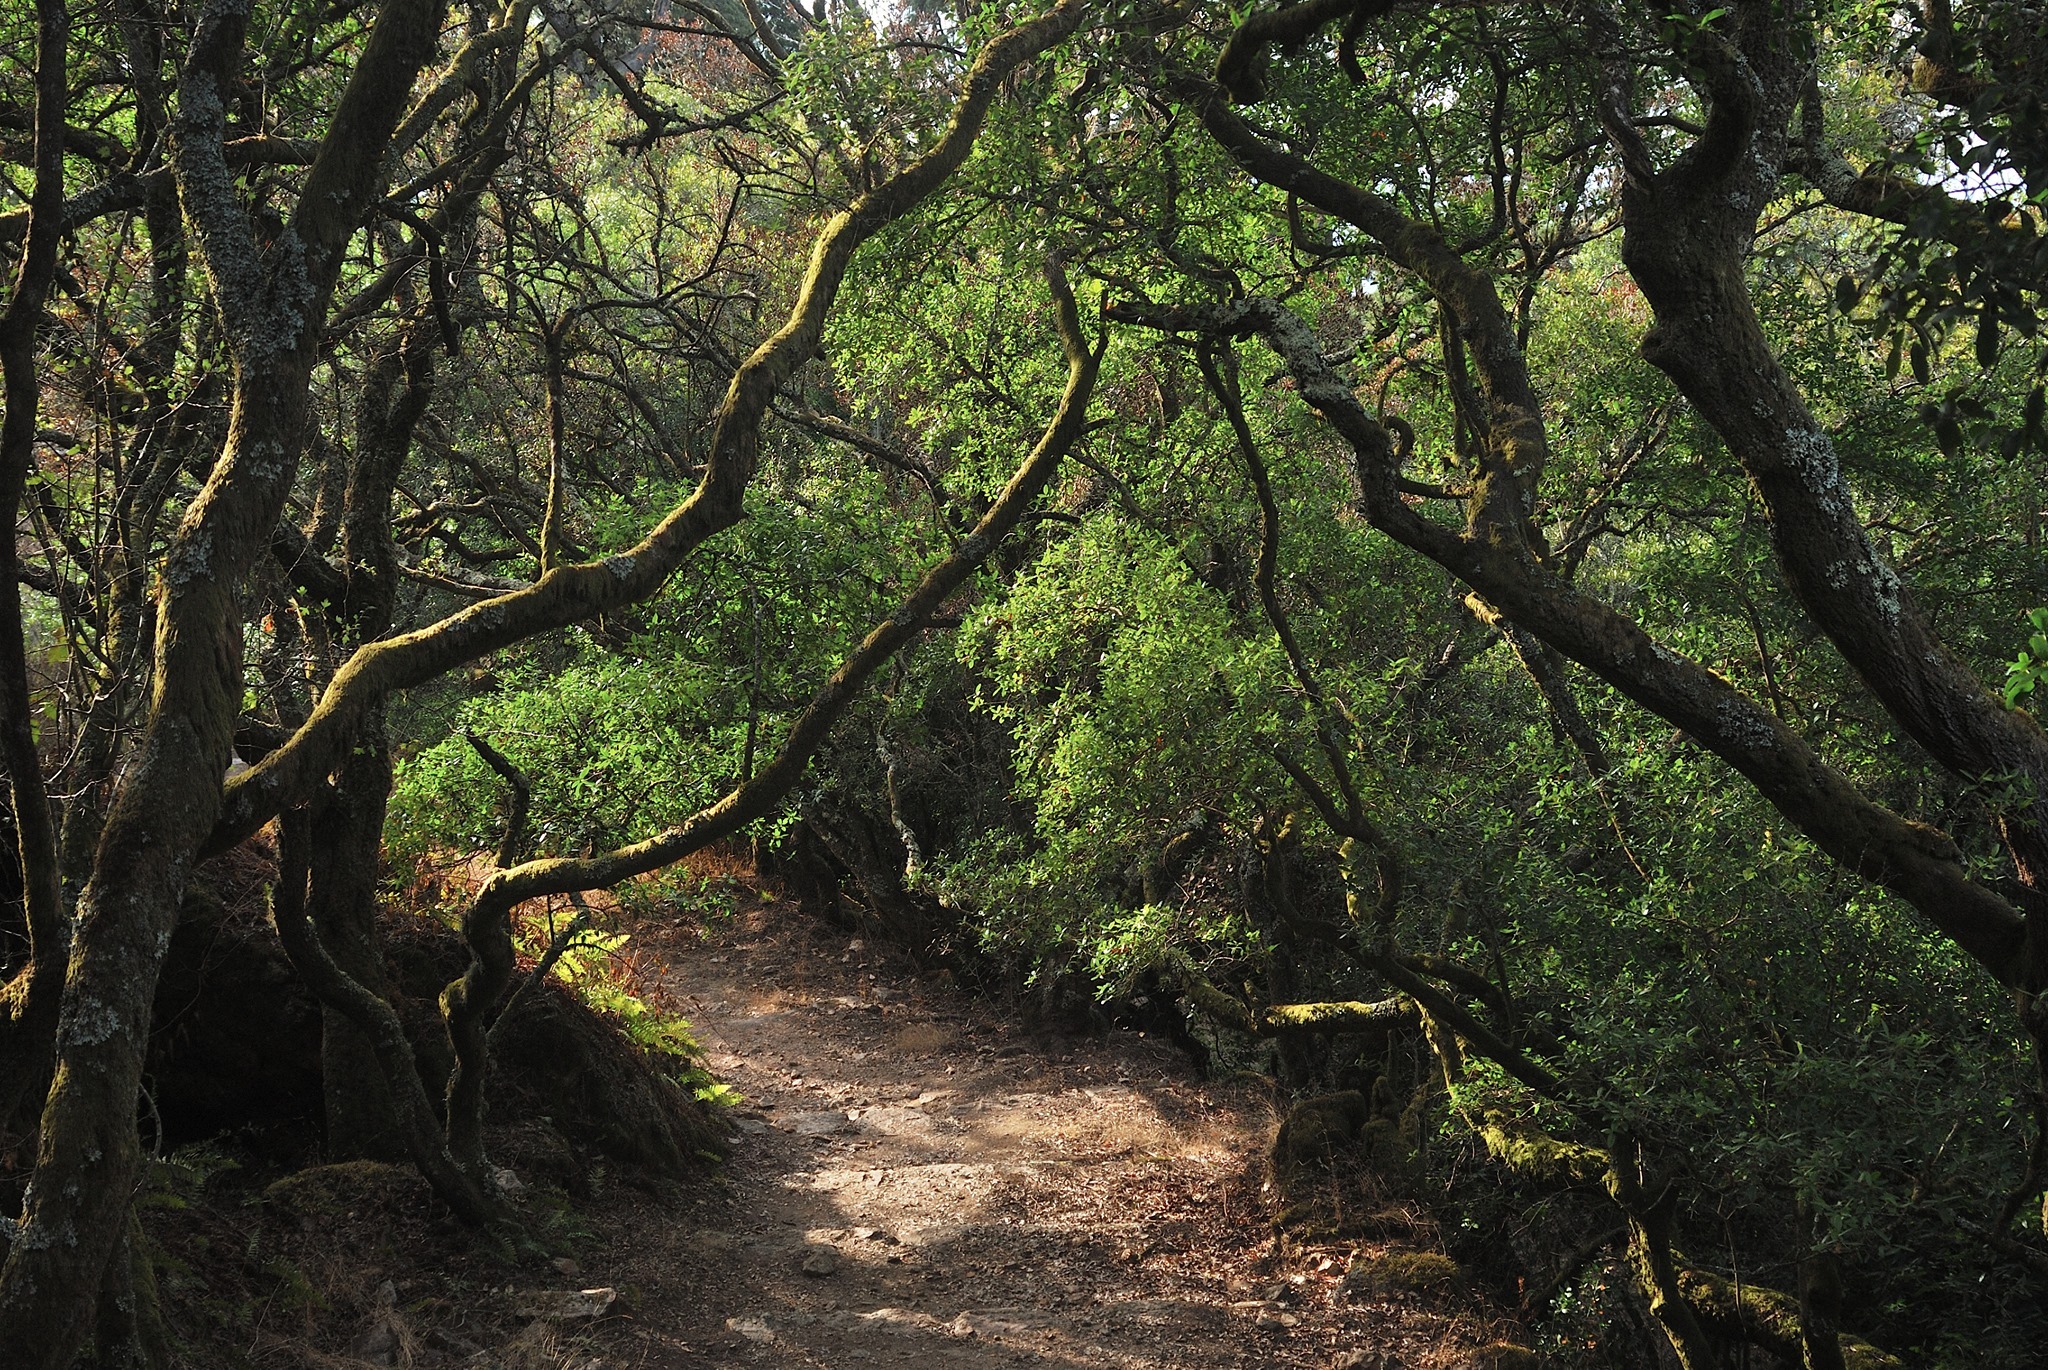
[(346, 846), (1687, 231), (29, 1003)]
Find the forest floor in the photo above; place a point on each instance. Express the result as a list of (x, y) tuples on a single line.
[(917, 1175), (919, 1178)]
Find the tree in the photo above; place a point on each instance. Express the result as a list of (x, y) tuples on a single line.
[(272, 280), (1689, 207), (1690, 358)]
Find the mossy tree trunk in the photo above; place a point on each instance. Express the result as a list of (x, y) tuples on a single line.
[(344, 860), (272, 302), (346, 846)]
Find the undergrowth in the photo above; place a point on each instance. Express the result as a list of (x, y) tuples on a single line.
[(615, 979)]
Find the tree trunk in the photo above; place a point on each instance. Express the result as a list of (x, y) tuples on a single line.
[(30, 999), (128, 1333), (347, 841)]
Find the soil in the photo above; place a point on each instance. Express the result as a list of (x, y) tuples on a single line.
[(918, 1177), (915, 1176)]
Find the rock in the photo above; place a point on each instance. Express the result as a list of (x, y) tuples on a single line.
[(752, 1127), (874, 1234), (509, 1184), (378, 1346), (1365, 1360), (324, 1193), (566, 1265), (821, 1262), (753, 1328), (895, 1120), (567, 1305), (384, 1342), (1272, 1320), (441, 1339), (1402, 1272), (815, 1124), (902, 1318)]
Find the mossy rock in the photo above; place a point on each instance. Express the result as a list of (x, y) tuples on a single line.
[(1316, 1131), (1861, 1355), (350, 1188), (1499, 1355), (1389, 1150), (1402, 1272), (556, 1058)]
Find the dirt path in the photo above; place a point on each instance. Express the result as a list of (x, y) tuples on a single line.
[(920, 1180)]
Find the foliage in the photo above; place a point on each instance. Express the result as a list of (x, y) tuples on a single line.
[(2031, 665), (596, 965)]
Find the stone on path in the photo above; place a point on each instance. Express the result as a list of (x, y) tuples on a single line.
[(752, 1328), (567, 1305)]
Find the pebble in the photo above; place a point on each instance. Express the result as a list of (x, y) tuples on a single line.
[(753, 1329)]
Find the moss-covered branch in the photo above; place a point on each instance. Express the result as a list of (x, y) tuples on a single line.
[(486, 922), (1766, 1318)]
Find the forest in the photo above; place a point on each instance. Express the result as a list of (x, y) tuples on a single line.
[(1476, 567)]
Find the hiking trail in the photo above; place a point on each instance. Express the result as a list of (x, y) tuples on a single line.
[(918, 1177)]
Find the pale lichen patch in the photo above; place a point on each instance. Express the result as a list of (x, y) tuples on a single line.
[(88, 1022), (1744, 726), (1812, 454)]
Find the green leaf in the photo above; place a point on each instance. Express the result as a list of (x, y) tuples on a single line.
[(1948, 433)]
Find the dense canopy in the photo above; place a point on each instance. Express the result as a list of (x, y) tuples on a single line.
[(1490, 552)]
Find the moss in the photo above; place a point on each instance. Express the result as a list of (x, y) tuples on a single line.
[(1317, 1129), (1403, 1272), (294, 1292), (1344, 1015), (329, 1191), (1767, 1318), (1537, 1156)]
